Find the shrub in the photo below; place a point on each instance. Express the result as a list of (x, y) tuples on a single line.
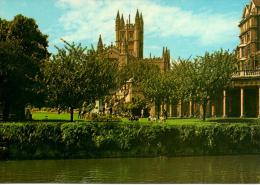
[(115, 139), (105, 118)]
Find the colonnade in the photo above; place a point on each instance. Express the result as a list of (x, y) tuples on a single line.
[(191, 109), (242, 103)]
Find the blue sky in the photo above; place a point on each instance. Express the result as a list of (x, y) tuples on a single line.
[(186, 27)]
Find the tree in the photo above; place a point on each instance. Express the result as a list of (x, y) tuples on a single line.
[(138, 70), (33, 42), (182, 73), (76, 74), (212, 74), (15, 74), (23, 49), (158, 88)]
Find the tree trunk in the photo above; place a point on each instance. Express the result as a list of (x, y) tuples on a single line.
[(71, 114), (204, 107), (158, 109), (20, 112), (6, 111)]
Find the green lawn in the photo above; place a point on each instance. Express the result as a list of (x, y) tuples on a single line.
[(45, 116), (53, 116), (49, 116)]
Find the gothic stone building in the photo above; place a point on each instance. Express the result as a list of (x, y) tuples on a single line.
[(129, 43), (129, 46)]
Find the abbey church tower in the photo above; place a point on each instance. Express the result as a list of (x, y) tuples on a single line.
[(129, 44), (129, 47), (129, 37)]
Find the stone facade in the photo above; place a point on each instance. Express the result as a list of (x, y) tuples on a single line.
[(242, 97), (248, 49), (129, 44)]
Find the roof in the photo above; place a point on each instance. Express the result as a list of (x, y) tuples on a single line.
[(248, 8), (256, 2)]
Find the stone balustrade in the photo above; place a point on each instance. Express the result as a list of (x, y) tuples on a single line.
[(247, 73)]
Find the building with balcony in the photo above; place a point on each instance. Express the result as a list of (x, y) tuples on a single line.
[(243, 98)]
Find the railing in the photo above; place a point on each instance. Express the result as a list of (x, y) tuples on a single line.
[(247, 73)]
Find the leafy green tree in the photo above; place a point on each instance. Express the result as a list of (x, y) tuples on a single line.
[(23, 49), (16, 71), (212, 74), (182, 73), (4, 27), (75, 75), (33, 42), (158, 88), (138, 70)]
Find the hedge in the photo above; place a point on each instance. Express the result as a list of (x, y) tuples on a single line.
[(111, 139)]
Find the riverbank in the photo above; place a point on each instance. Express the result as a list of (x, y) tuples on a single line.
[(41, 140)]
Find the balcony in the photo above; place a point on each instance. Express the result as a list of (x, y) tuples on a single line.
[(247, 73)]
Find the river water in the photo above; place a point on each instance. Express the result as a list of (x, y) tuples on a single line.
[(203, 169)]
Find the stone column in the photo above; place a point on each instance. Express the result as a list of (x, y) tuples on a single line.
[(194, 110), (165, 106), (201, 110), (224, 104), (191, 109), (258, 102), (242, 102), (213, 110), (170, 111), (180, 109)]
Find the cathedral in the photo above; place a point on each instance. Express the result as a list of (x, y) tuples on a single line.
[(129, 46), (129, 43)]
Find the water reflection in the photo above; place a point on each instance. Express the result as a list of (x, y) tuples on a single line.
[(210, 169)]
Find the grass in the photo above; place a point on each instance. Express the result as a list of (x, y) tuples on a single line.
[(54, 116)]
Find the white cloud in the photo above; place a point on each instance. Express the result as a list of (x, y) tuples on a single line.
[(86, 19)]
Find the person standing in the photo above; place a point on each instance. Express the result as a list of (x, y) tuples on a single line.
[(165, 114), (142, 113)]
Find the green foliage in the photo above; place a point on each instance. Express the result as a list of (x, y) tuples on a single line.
[(212, 74), (106, 118), (32, 40), (139, 70), (182, 75), (75, 75), (23, 48), (112, 139), (158, 88), (26, 140), (77, 136), (205, 78)]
